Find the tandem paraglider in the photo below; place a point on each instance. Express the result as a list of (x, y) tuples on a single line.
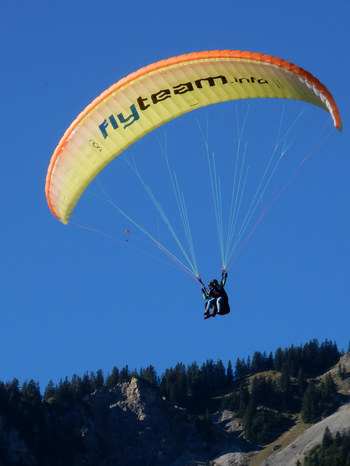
[(150, 97)]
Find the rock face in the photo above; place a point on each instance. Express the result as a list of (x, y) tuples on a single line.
[(131, 425)]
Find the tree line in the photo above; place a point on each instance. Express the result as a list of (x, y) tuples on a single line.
[(263, 401)]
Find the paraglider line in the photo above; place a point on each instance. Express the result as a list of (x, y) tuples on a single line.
[(175, 263), (309, 154)]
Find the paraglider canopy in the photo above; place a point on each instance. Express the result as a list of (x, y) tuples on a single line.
[(159, 92)]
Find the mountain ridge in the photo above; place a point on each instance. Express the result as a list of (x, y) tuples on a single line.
[(136, 422)]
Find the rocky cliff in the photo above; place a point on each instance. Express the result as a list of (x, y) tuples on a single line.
[(124, 426), (132, 425)]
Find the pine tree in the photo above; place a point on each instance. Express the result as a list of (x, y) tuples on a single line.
[(229, 375), (99, 379), (301, 382), (77, 389), (309, 404), (208, 374), (12, 390), (50, 391), (88, 383), (327, 438), (248, 419), (113, 379), (124, 375), (257, 362), (194, 382), (220, 376), (241, 369), (330, 387), (64, 392), (278, 360), (285, 386), (150, 376), (243, 398), (30, 393), (270, 361), (341, 371)]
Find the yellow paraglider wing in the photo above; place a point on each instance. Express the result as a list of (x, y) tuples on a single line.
[(159, 92)]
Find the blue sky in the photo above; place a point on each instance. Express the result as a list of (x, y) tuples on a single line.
[(74, 301)]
